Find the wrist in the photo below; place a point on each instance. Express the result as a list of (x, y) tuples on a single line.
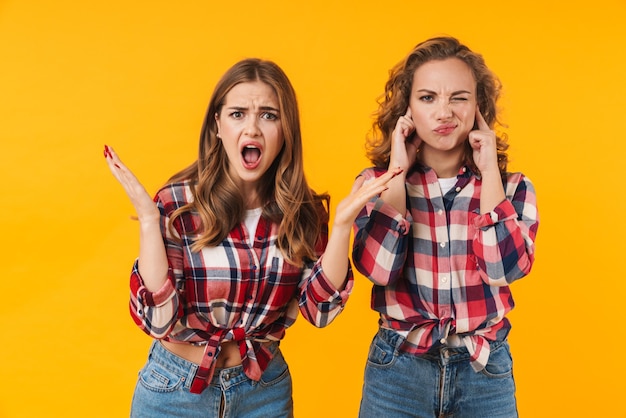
[(149, 222)]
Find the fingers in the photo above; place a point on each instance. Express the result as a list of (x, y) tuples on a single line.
[(120, 171), (114, 162), (362, 192), (405, 124), (481, 122), (139, 197), (374, 187)]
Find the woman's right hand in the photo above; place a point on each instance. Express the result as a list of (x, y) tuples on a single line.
[(404, 143), (145, 207)]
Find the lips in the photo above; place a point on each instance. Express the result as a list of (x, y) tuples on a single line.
[(251, 155), (446, 129)]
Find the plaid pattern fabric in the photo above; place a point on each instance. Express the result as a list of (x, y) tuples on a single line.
[(233, 292), (442, 268)]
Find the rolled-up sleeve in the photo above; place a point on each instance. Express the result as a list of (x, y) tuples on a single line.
[(156, 313), (380, 241), (320, 302), (504, 240)]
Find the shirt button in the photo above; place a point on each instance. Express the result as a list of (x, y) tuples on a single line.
[(442, 341), (440, 212), (442, 244), (444, 279), (458, 189)]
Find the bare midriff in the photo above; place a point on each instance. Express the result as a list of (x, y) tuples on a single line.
[(229, 353)]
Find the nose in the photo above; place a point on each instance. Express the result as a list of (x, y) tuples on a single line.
[(252, 126), (444, 110)]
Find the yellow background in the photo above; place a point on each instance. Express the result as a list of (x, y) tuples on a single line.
[(137, 75)]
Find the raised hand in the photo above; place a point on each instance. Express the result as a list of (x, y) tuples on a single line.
[(404, 145), (483, 142), (144, 205), (351, 205), (335, 260)]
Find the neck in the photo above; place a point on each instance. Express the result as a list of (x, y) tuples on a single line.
[(250, 194), (445, 163)]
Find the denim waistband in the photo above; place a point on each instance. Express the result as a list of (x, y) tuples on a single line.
[(458, 353), (227, 376)]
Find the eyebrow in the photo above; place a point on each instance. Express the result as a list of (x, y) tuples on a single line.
[(454, 93), (246, 108)]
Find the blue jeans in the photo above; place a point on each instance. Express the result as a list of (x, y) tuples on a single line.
[(162, 389), (437, 384)]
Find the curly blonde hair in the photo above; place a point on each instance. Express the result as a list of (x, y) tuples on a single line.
[(287, 199), (394, 102)]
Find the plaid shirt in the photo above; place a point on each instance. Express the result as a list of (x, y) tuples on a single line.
[(443, 269), (231, 292)]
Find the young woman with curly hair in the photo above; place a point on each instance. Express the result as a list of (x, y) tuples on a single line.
[(444, 242)]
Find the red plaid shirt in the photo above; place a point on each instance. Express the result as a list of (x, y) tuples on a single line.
[(442, 268), (231, 292)]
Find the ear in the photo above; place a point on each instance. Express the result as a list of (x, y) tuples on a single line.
[(217, 121)]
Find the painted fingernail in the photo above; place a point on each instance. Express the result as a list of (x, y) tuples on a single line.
[(107, 152), (117, 165)]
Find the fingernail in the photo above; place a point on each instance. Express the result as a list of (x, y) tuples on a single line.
[(107, 153), (117, 165), (398, 171)]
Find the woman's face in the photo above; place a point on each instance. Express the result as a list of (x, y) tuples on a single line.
[(250, 130), (443, 104)]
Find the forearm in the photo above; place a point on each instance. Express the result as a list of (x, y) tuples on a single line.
[(491, 192), (504, 250), (335, 261), (153, 265), (395, 195)]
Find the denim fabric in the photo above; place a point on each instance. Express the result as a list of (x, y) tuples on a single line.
[(437, 384), (162, 389)]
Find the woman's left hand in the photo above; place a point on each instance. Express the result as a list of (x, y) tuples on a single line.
[(351, 205), (483, 142)]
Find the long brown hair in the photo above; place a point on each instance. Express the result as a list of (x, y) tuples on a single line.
[(286, 196), (394, 102)]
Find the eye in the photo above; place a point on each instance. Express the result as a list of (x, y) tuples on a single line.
[(426, 98), (269, 116), (459, 99), (237, 114)]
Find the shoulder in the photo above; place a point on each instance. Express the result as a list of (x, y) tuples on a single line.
[(174, 195), (516, 177), (517, 181)]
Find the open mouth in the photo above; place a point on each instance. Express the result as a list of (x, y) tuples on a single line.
[(251, 156)]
